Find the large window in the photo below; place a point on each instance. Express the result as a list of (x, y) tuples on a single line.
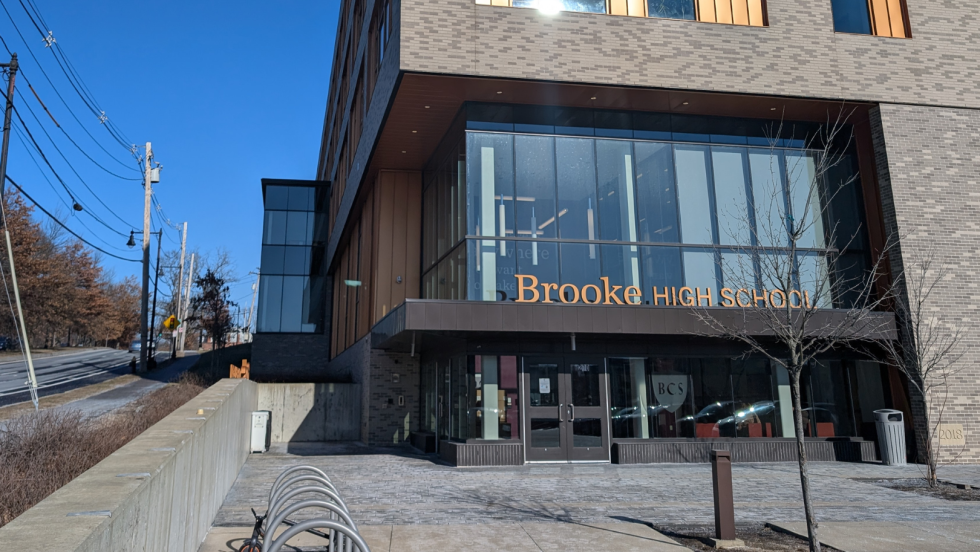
[(291, 287), (477, 397), (680, 397), (880, 17), (732, 12)]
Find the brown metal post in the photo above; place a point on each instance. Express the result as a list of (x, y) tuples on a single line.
[(721, 481)]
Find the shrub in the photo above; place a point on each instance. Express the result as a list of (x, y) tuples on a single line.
[(42, 451)]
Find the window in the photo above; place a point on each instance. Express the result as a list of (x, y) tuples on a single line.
[(666, 213), (731, 12), (291, 289), (875, 17), (674, 397)]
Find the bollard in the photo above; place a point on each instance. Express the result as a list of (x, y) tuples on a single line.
[(721, 481)]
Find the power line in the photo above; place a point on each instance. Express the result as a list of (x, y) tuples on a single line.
[(70, 231), (53, 87)]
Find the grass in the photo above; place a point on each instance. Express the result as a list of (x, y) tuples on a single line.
[(41, 452), (214, 365)]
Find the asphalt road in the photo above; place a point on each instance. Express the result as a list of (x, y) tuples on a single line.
[(57, 374)]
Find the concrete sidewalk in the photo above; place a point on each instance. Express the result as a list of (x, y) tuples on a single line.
[(870, 536), (492, 537), (113, 399)]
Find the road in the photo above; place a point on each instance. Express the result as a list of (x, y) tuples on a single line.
[(61, 373)]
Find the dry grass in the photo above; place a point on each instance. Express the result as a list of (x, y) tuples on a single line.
[(41, 452)]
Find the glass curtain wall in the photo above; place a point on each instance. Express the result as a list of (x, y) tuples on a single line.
[(482, 394), (679, 397), (571, 210), (291, 290)]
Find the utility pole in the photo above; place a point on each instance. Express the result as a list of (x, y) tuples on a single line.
[(251, 309), (185, 307), (151, 175), (32, 377), (153, 311), (180, 292)]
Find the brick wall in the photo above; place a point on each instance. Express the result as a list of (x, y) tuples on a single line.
[(797, 55), (393, 375), (928, 164), (292, 358)]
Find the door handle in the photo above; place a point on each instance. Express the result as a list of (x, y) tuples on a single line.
[(571, 415), (560, 406)]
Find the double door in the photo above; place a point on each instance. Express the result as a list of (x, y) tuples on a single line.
[(566, 415)]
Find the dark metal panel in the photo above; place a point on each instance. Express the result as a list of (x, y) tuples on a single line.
[(525, 318), (495, 318), (761, 450), (479, 313)]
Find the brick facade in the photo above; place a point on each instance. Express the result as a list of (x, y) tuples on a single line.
[(928, 164), (799, 54)]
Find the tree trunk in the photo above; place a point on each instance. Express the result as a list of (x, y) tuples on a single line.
[(811, 521)]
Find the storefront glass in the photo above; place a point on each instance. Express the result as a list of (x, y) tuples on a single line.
[(642, 212), (680, 397)]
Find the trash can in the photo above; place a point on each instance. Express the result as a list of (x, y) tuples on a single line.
[(891, 436)]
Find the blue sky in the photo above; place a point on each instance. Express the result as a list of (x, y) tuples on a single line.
[(227, 92)]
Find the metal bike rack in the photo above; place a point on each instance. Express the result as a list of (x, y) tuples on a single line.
[(355, 542), (299, 479), (343, 534), (334, 510), (294, 469)]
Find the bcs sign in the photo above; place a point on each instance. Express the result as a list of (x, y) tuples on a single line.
[(670, 391)]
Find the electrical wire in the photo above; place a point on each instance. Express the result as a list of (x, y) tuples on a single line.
[(74, 79), (67, 189), (70, 231), (53, 87)]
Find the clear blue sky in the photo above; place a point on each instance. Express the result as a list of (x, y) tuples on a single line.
[(227, 92)]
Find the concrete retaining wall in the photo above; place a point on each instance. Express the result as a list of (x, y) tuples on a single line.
[(157, 493), (312, 411)]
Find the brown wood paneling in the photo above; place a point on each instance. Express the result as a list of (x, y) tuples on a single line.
[(413, 231), (617, 7), (896, 18), (335, 318), (341, 302), (636, 8), (740, 12), (386, 201), (353, 263), (399, 241), (880, 25), (723, 11), (706, 11), (366, 291), (757, 16)]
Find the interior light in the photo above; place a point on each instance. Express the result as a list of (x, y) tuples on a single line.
[(593, 97), (427, 107), (548, 7), (403, 151), (772, 109), (500, 91), (414, 132), (685, 103)]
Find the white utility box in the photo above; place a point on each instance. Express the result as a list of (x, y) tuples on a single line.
[(261, 430)]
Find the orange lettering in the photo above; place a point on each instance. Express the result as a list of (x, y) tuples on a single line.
[(608, 294), (521, 288), (656, 296), (547, 292), (727, 299), (562, 295), (689, 301), (707, 295), (632, 292), (598, 294)]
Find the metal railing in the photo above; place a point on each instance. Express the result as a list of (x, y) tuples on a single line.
[(342, 534)]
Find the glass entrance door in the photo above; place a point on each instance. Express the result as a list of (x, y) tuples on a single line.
[(565, 412)]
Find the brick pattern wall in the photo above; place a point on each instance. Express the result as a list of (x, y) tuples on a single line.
[(393, 375), (284, 358), (928, 164), (797, 55)]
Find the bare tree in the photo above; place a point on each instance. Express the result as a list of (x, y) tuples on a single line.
[(787, 283), (929, 346)]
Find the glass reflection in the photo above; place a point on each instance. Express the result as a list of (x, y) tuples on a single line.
[(656, 192), (671, 9), (577, 193), (693, 193)]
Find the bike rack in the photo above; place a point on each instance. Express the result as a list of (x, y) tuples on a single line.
[(353, 537), (294, 469), (343, 534)]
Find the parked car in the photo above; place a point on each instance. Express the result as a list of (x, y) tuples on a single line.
[(134, 347)]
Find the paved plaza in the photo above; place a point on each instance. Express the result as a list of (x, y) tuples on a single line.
[(388, 490)]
